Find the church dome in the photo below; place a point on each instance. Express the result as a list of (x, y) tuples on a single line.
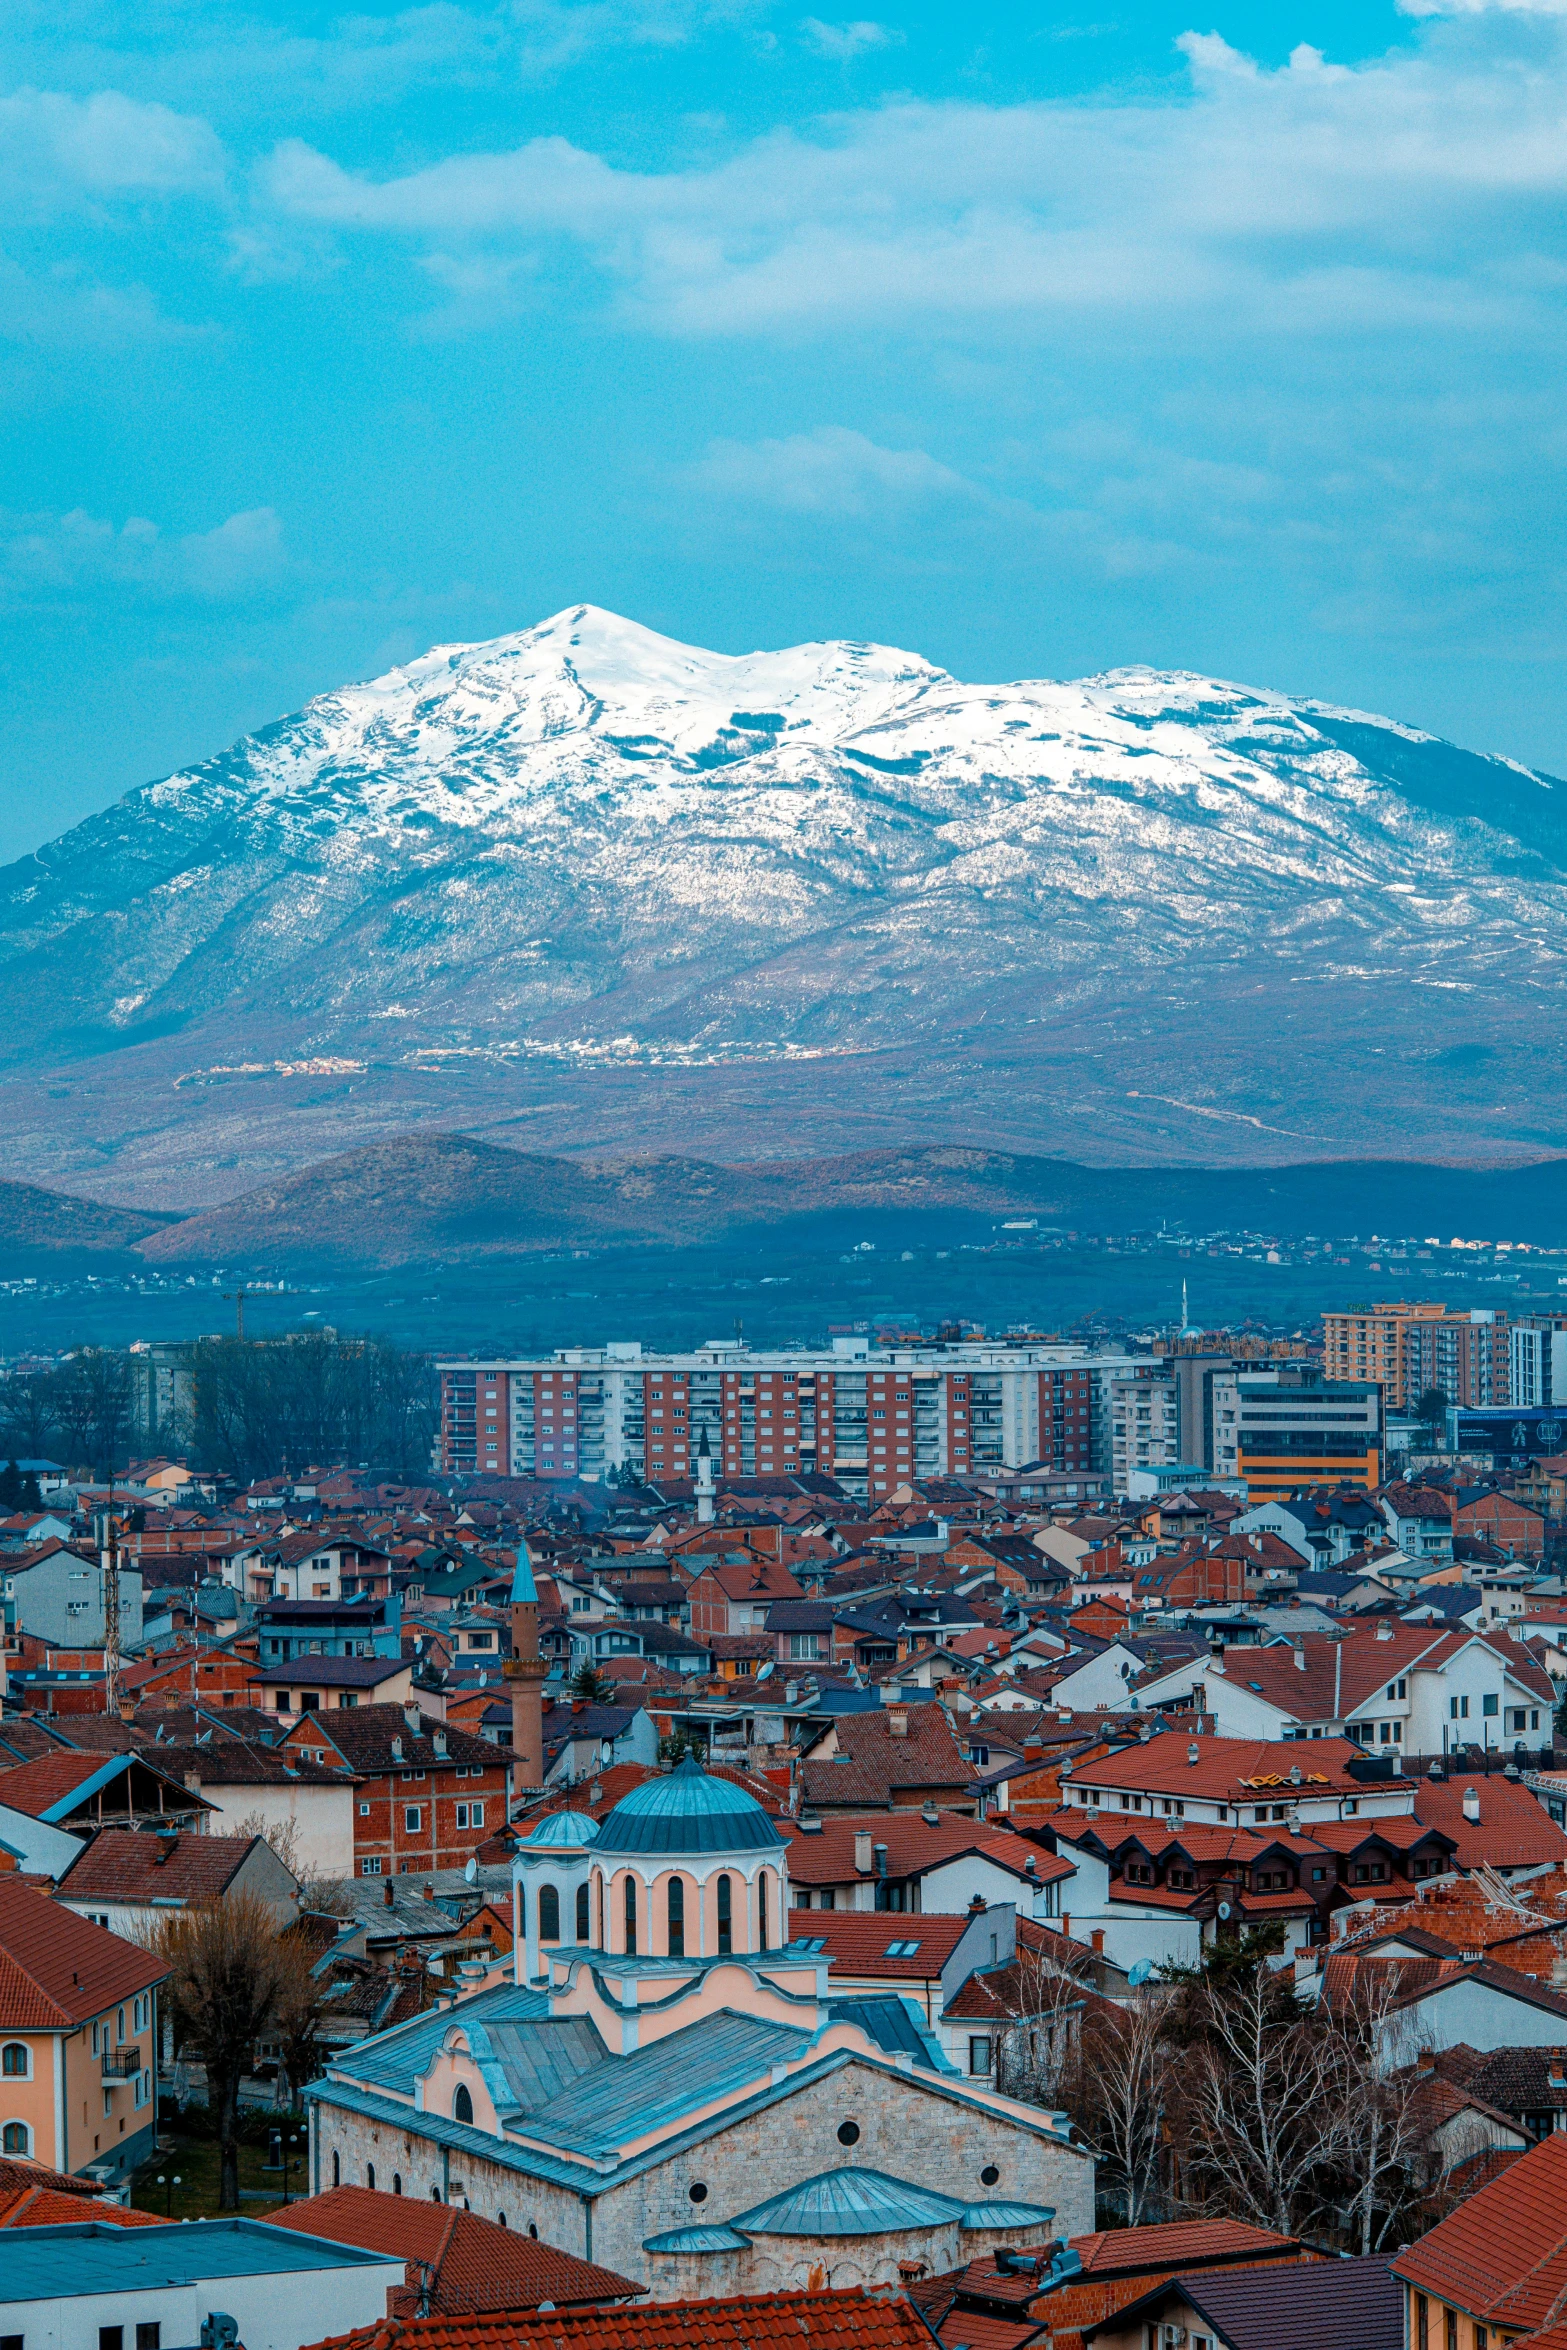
[(688, 1812), (560, 1831)]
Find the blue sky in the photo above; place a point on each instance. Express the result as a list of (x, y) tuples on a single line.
[(1039, 340)]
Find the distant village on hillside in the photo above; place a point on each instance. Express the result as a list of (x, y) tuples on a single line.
[(1001, 1840)]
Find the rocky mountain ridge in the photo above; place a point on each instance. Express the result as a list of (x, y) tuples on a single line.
[(587, 889)]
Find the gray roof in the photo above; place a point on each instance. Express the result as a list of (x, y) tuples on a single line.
[(44, 2264), (1332, 2304)]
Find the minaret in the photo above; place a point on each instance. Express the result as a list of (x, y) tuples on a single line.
[(525, 1669), (704, 1482)]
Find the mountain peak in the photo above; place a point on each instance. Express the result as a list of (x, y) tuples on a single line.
[(584, 884)]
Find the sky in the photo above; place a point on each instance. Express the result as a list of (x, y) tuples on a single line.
[(1039, 340)]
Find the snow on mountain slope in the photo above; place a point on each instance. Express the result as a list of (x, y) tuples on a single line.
[(588, 884)]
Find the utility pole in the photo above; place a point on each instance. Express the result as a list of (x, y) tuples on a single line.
[(109, 1562), (236, 1298)]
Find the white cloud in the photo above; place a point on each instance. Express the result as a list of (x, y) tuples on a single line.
[(49, 555), (1426, 185), (832, 471), (844, 42), (56, 148)]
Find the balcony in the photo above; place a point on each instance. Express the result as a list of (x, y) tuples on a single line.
[(121, 2064)]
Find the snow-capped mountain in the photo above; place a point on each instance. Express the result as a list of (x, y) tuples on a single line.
[(584, 886)]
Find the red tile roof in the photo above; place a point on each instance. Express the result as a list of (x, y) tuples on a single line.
[(826, 1856), (857, 1940), (1514, 1829), (58, 1970), (33, 1786), (1195, 2243), (122, 1865), (1230, 1769), (477, 2266), (871, 1765), (853, 2320), (1502, 2256), (47, 2207)]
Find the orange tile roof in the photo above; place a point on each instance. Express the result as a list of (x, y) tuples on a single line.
[(1195, 2243), (1230, 1768), (477, 2265), (854, 2320), (857, 1940), (1514, 1829), (47, 2207), (1502, 2256), (58, 1970), (826, 1857)]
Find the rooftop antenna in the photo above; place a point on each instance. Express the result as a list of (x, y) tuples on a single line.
[(109, 1563)]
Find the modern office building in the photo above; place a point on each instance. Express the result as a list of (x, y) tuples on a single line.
[(1287, 1428), (1538, 1350), (871, 1417)]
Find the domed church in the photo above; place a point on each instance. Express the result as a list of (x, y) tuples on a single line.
[(669, 2086)]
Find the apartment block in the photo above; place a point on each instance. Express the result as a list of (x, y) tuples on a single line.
[(1409, 1349), (872, 1417), (1537, 1349), (1145, 1423)]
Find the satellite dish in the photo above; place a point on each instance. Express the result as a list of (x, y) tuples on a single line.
[(1224, 1909), (766, 1672)]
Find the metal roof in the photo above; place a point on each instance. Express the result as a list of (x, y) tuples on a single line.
[(894, 2024), (559, 1831), (849, 2203), (45, 2264), (1007, 2215), (698, 2240), (689, 1812)]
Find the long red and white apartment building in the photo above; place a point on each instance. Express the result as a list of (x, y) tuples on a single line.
[(868, 1416)]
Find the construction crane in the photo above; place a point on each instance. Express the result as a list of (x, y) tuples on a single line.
[(236, 1298)]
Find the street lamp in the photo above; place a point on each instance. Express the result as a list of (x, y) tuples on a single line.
[(169, 2185), (288, 2164)]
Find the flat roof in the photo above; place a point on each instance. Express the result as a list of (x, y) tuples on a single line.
[(93, 2256)]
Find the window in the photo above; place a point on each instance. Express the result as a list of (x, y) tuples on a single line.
[(1458, 1709), (549, 1914), (1489, 1706), (369, 1868), (583, 1928), (631, 1916), (337, 2168), (1422, 2322), (677, 1917), (16, 2061), (462, 2104), (148, 2332), (725, 1916), (761, 1910), (16, 2138), (411, 1818), (111, 2338), (369, 2174), (397, 2182), (475, 1815), (978, 2053)]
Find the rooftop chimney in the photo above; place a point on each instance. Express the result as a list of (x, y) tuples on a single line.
[(397, 1750), (411, 1717), (387, 1894), (1384, 1629), (862, 1851), (1471, 1804), (897, 1723), (1299, 1654)]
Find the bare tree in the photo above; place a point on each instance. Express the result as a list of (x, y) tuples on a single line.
[(1035, 2047), (27, 1413), (1118, 2091), (1384, 2156), (1266, 2119), (233, 1980)]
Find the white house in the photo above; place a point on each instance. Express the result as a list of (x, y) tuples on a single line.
[(1411, 1689), (83, 2285)]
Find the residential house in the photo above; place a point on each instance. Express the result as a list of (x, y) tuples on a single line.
[(427, 1794), (48, 1808), (125, 1882), (847, 2319), (58, 1597), (1420, 1520), (312, 1807), (1264, 2308), (290, 1628), (581, 1738), (92, 2280), (737, 1594), (78, 2027), (317, 1684), (1493, 2271), (1409, 1689), (899, 1757), (920, 1861)]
